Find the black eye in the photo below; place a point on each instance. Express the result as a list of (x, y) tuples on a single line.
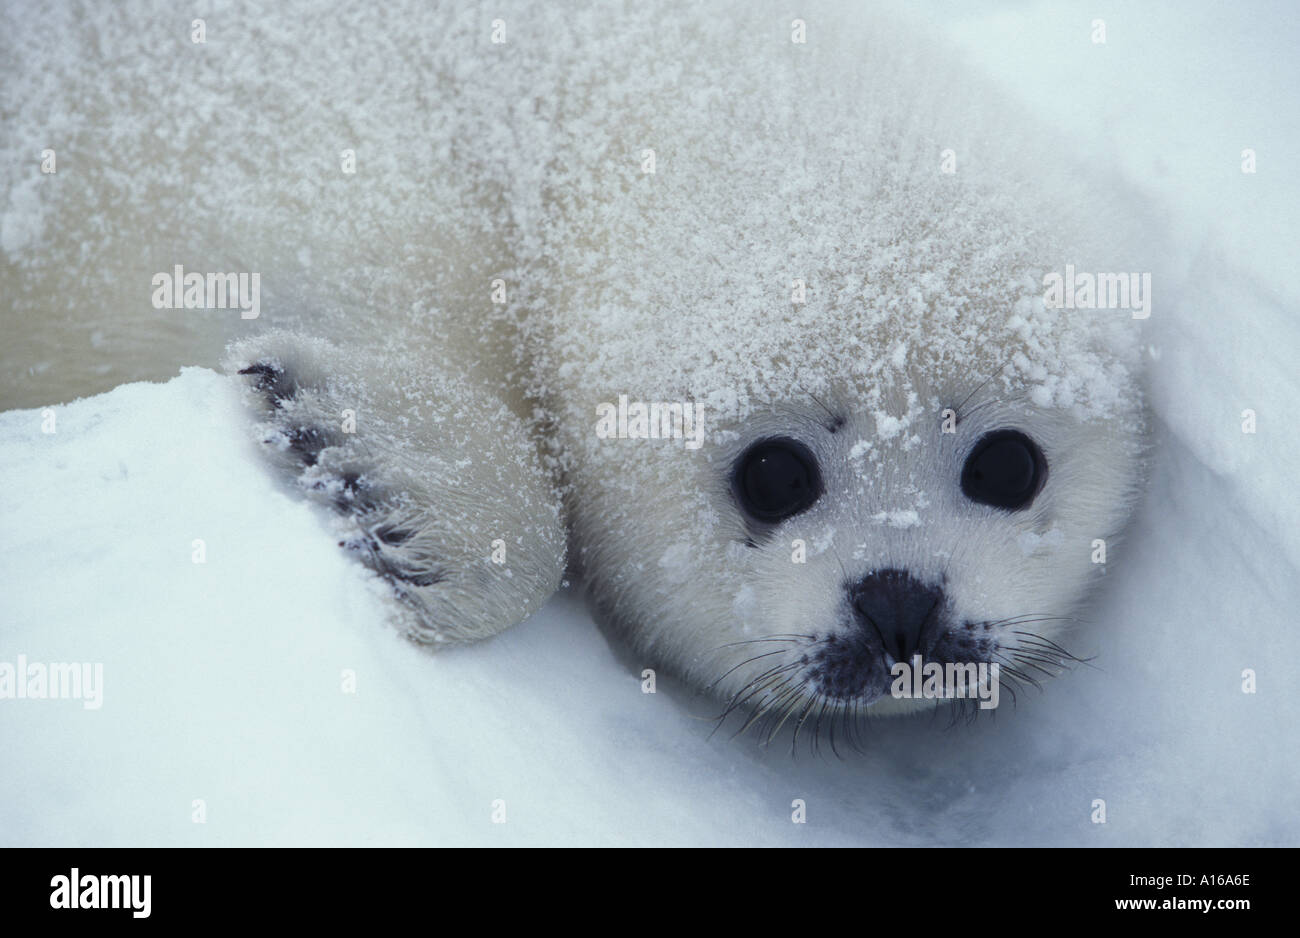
[(775, 479), (1006, 469)]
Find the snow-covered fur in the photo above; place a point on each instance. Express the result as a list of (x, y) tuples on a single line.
[(833, 240)]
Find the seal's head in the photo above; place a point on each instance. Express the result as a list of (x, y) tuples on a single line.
[(789, 563), (907, 448), (922, 455), (964, 530)]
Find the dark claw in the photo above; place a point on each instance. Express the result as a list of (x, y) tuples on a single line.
[(307, 442), (272, 380)]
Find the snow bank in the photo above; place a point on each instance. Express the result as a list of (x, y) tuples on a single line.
[(224, 682)]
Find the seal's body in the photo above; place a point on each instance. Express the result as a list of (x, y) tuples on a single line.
[(483, 231)]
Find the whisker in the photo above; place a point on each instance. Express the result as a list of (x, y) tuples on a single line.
[(779, 651), (755, 641), (1036, 667), (979, 387), (765, 708), (789, 702), (769, 676)]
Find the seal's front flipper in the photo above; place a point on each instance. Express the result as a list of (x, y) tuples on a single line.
[(435, 482)]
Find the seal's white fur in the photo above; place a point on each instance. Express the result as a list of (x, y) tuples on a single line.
[(519, 170)]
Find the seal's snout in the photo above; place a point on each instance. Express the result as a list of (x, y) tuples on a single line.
[(901, 610)]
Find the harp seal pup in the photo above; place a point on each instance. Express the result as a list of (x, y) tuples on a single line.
[(827, 236)]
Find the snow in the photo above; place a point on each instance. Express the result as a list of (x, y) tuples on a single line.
[(224, 680)]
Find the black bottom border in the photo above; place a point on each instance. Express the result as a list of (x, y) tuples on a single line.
[(944, 887)]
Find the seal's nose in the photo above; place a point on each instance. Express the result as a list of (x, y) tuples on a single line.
[(899, 607)]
